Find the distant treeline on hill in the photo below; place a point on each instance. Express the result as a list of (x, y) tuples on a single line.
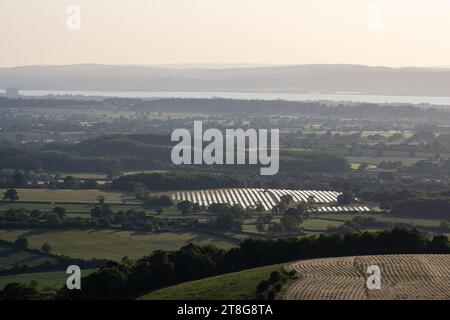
[(162, 268), (313, 109), (43, 102), (143, 152), (179, 181), (426, 207), (412, 203), (234, 106)]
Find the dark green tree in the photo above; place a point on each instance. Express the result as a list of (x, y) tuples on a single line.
[(184, 206), (21, 243), (11, 195), (17, 291), (46, 248)]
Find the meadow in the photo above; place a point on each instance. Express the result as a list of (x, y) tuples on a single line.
[(111, 244), (85, 175), (232, 286), (11, 257), (45, 280)]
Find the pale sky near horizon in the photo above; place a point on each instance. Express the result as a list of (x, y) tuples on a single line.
[(372, 32)]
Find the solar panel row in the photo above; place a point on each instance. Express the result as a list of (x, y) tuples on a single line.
[(268, 198)]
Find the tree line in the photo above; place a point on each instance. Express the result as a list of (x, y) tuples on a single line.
[(129, 279)]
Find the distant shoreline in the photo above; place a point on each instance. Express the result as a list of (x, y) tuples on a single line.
[(336, 98)]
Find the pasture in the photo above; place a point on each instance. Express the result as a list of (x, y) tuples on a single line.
[(232, 286), (11, 257), (45, 280), (85, 175), (111, 244)]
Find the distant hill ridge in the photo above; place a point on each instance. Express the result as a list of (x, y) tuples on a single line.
[(326, 78)]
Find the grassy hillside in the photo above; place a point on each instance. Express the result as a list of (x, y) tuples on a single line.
[(110, 244), (10, 257), (232, 286), (138, 145)]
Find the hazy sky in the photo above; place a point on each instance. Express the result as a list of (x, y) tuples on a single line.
[(377, 32)]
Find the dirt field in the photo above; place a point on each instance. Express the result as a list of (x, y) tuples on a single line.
[(403, 277)]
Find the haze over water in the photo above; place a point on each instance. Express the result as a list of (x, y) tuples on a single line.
[(438, 101)]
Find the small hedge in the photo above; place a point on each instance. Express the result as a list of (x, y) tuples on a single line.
[(268, 289)]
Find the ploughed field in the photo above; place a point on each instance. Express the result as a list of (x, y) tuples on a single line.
[(268, 198), (403, 277)]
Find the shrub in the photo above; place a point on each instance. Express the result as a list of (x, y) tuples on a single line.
[(263, 286)]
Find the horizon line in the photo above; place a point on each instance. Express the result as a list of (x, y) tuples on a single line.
[(219, 66)]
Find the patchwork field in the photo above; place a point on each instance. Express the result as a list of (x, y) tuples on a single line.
[(403, 277), (110, 244)]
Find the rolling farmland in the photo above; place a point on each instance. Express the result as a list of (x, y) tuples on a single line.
[(111, 244), (403, 277), (268, 198)]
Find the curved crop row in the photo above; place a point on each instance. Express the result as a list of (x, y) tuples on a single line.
[(410, 276)]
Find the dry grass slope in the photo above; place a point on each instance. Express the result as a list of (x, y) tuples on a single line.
[(403, 277)]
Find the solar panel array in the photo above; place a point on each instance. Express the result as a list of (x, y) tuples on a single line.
[(268, 198), (336, 209)]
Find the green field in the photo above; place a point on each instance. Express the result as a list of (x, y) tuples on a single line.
[(340, 216), (10, 257), (111, 244), (54, 279), (232, 286), (320, 224), (71, 195), (85, 175), (416, 221)]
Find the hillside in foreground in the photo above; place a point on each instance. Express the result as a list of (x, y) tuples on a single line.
[(232, 286), (403, 277)]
